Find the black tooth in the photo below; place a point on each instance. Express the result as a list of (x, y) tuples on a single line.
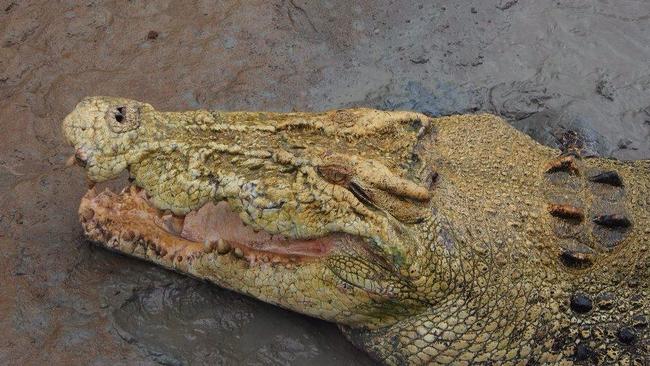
[(609, 177), (612, 221)]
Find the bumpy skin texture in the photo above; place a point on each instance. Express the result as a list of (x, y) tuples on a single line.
[(454, 240)]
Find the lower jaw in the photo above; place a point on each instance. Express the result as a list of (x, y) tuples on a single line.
[(294, 275)]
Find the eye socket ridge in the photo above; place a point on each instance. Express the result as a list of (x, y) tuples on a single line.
[(344, 176), (335, 174)]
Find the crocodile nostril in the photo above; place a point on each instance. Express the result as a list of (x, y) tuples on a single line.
[(120, 114)]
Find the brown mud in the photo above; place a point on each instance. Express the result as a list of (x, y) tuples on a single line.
[(546, 66)]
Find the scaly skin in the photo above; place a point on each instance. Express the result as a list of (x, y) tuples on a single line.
[(455, 240)]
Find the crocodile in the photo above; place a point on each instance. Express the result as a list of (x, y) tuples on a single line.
[(450, 240)]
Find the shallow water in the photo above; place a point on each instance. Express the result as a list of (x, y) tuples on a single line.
[(545, 66)]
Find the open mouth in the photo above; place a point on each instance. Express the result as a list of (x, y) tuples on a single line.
[(128, 222)]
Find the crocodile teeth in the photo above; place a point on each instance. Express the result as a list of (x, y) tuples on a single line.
[(223, 247), (220, 246), (238, 253)]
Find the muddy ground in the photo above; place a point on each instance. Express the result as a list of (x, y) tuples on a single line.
[(544, 65)]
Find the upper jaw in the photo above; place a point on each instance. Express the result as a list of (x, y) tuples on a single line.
[(392, 200)]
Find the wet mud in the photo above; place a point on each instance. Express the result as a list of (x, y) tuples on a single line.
[(547, 67)]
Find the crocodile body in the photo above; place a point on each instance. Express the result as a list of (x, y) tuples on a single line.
[(453, 240)]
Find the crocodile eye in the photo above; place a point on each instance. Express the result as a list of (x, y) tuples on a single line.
[(342, 176), (360, 193), (120, 115)]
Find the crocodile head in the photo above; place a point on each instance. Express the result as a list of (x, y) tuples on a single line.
[(264, 201), (429, 240)]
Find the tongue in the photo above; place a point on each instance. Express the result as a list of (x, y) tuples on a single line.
[(213, 222)]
